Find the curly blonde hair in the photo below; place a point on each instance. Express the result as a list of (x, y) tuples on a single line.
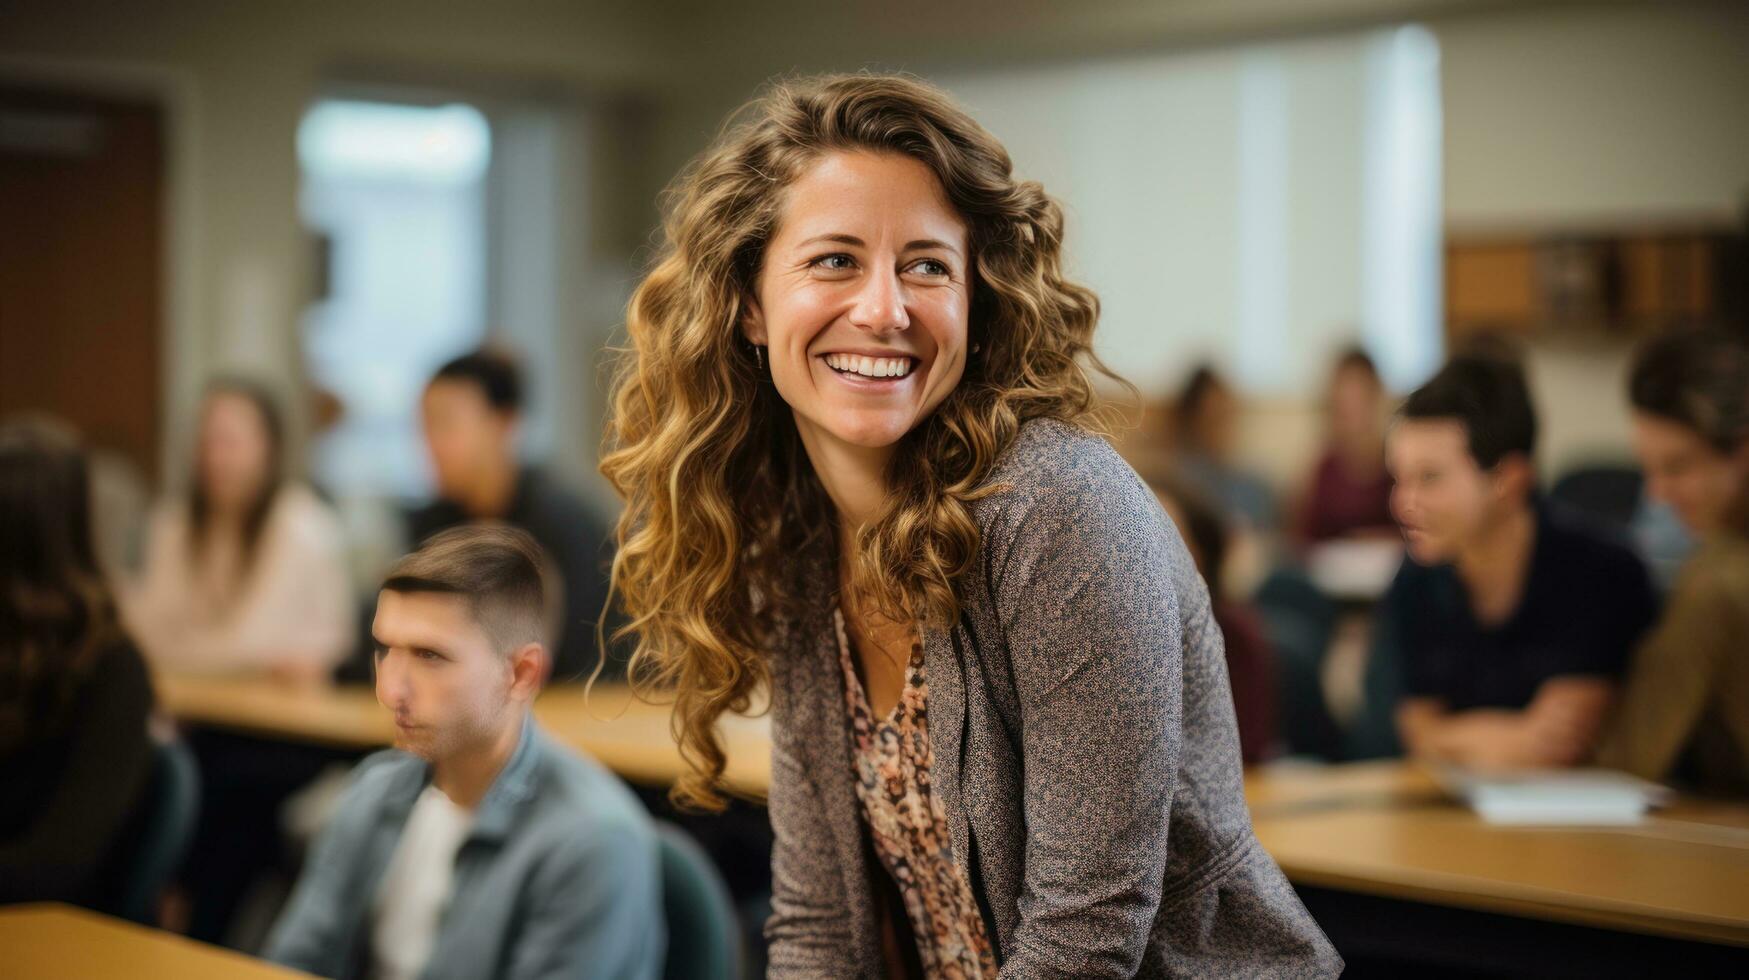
[(719, 495)]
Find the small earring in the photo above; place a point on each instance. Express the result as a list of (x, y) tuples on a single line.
[(977, 347), (759, 357)]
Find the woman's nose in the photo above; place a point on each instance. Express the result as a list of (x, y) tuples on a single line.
[(880, 305)]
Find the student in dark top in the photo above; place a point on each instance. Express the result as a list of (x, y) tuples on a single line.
[(1512, 624), (74, 694), (472, 412)]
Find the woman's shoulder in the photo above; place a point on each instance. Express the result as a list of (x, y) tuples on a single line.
[(1065, 467), (1049, 451), (115, 680), (1061, 490), (1718, 572), (299, 510)]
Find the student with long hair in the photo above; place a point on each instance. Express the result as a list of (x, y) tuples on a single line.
[(245, 574), (74, 695), (1349, 492), (247, 571), (1685, 712), (858, 448)]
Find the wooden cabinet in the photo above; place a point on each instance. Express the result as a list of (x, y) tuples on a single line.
[(1611, 283)]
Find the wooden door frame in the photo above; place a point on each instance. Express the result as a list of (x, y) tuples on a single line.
[(183, 355)]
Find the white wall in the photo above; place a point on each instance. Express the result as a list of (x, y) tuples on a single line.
[(1217, 203), (1559, 113), (1594, 116), (1584, 113)]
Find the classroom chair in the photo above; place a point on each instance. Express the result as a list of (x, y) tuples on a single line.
[(1606, 493), (170, 805), (703, 937)]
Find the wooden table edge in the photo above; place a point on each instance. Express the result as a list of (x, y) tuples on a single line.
[(102, 921), (1496, 896)]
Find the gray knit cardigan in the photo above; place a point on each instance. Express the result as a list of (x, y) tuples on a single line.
[(1085, 752)]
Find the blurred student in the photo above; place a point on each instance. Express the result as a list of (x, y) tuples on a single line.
[(74, 695), (248, 572), (1349, 492), (1207, 420), (478, 847), (472, 413), (1250, 661), (244, 575), (1512, 625), (1685, 711)]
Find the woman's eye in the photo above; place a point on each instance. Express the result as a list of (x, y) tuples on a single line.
[(836, 262), (931, 267)]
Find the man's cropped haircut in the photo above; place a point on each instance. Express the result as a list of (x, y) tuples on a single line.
[(501, 572), (1488, 396)]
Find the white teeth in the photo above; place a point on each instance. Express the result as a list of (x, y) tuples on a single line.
[(870, 367)]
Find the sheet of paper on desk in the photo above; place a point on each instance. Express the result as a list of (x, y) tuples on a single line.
[(1359, 569), (1559, 797)]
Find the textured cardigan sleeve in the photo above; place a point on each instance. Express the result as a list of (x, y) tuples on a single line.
[(809, 929), (1085, 586)]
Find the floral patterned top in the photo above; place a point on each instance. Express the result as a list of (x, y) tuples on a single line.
[(908, 825)]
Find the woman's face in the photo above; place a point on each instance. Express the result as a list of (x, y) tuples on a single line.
[(234, 450), (1688, 473), (1215, 431), (862, 299), (1355, 401)]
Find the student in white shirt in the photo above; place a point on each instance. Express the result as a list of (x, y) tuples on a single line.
[(248, 572), (478, 847), (244, 574)]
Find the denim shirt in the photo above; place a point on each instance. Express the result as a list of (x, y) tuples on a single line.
[(559, 876)]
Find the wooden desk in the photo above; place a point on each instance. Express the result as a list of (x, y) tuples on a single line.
[(52, 942), (1382, 829), (1377, 829), (628, 736)]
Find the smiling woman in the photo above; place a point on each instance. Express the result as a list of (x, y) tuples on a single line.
[(858, 444)]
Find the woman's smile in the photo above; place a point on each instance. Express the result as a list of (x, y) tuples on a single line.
[(862, 304)]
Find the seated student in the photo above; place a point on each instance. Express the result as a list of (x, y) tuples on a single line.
[(1250, 661), (1349, 492), (1206, 419), (1688, 692), (245, 574), (74, 695), (248, 573), (472, 412), (1511, 624), (479, 847)]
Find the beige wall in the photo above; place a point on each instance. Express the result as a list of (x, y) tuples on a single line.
[(1556, 113), (1587, 114)]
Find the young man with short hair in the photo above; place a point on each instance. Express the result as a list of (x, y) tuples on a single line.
[(472, 411), (1511, 624), (478, 847)]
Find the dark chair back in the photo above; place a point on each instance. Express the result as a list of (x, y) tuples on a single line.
[(170, 806), (704, 938)]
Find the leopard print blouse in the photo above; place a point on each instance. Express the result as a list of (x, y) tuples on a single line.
[(907, 823)]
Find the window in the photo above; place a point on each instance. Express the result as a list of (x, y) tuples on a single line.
[(398, 192), (1257, 206)]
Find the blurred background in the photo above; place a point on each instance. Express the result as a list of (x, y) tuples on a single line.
[(339, 198), (335, 200)]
